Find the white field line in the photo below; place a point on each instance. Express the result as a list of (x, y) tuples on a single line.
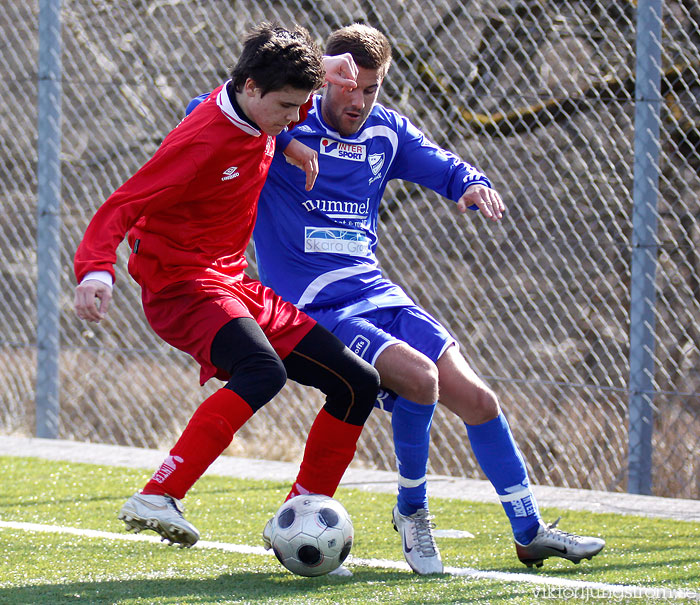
[(552, 587)]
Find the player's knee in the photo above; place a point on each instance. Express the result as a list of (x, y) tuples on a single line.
[(353, 398), (258, 378), (422, 385), (368, 388), (364, 393), (485, 405), (275, 377), (428, 382)]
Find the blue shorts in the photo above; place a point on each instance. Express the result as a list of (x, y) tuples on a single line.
[(372, 327)]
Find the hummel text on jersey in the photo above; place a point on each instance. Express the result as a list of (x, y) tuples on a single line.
[(230, 173), (338, 209)]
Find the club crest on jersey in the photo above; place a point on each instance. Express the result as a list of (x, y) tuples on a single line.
[(344, 151), (230, 173), (376, 162)]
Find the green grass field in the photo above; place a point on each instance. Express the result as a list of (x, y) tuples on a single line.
[(39, 566)]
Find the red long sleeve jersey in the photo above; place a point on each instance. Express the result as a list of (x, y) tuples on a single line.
[(190, 210)]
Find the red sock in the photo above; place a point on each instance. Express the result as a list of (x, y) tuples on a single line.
[(330, 447), (207, 434)]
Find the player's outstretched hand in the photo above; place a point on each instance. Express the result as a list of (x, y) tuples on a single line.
[(303, 157), (341, 70), (92, 300), (487, 200)]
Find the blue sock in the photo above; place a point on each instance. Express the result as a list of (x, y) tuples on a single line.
[(498, 455), (411, 424)]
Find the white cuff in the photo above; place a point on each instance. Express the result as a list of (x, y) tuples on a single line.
[(104, 276)]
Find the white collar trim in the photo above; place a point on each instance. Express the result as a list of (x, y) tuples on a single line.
[(224, 103)]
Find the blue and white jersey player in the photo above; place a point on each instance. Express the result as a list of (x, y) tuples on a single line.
[(317, 249), (329, 235)]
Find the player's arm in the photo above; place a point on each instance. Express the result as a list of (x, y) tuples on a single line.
[(421, 161), (302, 156), (155, 186)]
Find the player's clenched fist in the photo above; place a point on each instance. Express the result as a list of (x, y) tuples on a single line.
[(341, 70), (92, 300)]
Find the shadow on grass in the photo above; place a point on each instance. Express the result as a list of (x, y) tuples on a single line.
[(247, 587), (635, 572)]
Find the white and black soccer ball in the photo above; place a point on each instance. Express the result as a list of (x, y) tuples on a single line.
[(312, 534)]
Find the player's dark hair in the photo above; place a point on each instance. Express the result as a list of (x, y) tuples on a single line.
[(274, 57), (367, 45)]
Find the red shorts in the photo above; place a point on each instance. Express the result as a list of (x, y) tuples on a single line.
[(188, 315)]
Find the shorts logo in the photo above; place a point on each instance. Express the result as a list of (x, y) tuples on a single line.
[(344, 151), (359, 345)]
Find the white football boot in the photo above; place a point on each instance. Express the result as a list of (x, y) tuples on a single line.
[(419, 546), (551, 542), (341, 571), (162, 514)]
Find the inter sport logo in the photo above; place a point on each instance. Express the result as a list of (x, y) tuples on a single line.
[(344, 151)]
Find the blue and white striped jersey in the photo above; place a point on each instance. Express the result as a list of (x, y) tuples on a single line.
[(317, 248)]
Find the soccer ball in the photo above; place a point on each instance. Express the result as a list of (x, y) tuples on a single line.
[(311, 534)]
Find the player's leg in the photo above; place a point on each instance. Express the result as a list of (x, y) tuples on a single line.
[(465, 394), (257, 374), (411, 518), (350, 385), (412, 378), (408, 372), (494, 447), (241, 349)]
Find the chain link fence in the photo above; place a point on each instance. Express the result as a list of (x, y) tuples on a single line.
[(539, 94)]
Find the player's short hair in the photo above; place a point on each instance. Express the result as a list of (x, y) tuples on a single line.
[(275, 57), (367, 45)]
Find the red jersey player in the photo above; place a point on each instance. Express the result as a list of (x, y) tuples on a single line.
[(189, 213)]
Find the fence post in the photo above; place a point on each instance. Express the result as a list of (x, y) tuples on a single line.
[(48, 219), (644, 244)]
